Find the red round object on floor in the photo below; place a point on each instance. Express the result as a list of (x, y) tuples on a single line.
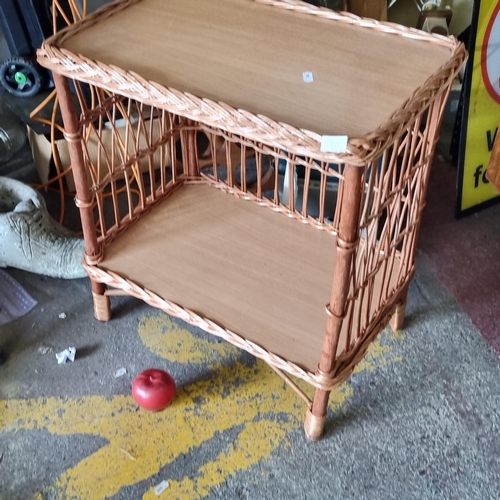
[(153, 389)]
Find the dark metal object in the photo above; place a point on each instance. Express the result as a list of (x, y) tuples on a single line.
[(25, 24), (21, 77)]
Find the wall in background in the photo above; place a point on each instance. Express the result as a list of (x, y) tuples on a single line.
[(406, 12)]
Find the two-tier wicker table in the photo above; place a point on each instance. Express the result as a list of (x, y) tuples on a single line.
[(193, 105)]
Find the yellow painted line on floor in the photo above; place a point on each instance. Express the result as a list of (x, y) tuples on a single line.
[(236, 395)]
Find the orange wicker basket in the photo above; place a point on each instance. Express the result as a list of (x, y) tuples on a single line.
[(183, 206)]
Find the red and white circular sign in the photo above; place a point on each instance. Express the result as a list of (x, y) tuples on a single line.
[(490, 55)]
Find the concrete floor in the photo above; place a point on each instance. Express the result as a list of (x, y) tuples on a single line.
[(418, 420)]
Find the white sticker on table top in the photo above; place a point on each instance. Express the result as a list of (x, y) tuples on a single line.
[(334, 143), (308, 77)]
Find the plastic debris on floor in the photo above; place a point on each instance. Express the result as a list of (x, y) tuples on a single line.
[(15, 301)]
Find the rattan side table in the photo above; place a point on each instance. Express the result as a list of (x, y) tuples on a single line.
[(184, 95)]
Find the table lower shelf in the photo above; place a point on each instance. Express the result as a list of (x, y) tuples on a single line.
[(252, 271)]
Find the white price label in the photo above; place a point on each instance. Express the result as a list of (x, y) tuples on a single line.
[(334, 143)]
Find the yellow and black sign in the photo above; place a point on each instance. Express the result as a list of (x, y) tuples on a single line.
[(481, 112)]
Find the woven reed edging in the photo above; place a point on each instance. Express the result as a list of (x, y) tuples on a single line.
[(255, 127), (264, 202), (127, 221), (296, 5), (349, 18), (326, 383)]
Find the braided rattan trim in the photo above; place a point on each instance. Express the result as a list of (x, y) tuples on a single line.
[(319, 380), (264, 202), (93, 260), (115, 280), (254, 127), (295, 5)]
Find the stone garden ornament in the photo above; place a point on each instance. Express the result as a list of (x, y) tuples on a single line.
[(31, 240)]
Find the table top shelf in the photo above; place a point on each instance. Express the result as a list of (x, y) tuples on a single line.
[(252, 56)]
